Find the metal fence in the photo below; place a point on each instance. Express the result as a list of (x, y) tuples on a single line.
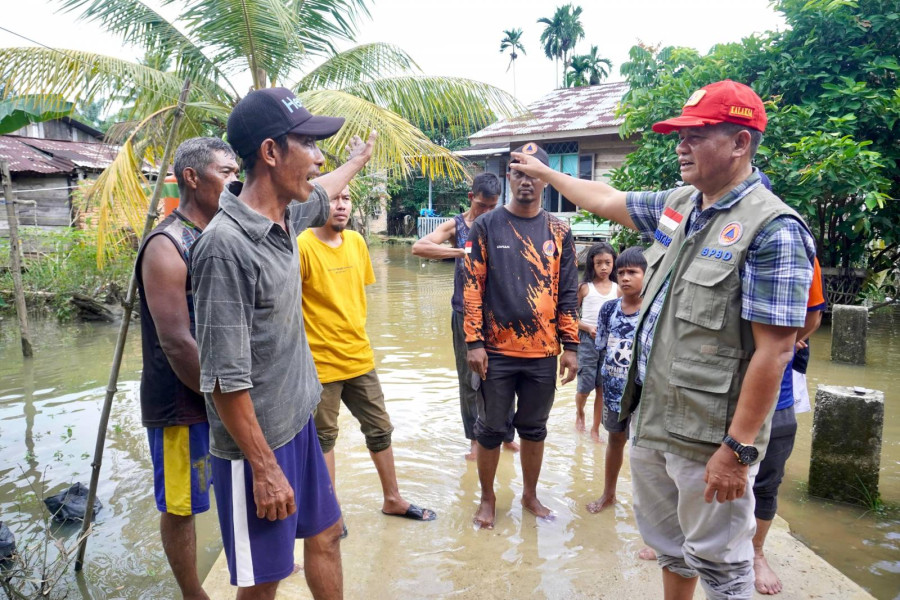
[(426, 225)]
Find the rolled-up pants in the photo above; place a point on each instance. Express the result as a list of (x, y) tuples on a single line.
[(692, 537)]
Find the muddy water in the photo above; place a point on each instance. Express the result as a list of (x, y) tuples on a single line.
[(63, 387)]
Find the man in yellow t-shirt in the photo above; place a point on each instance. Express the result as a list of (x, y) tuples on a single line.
[(335, 267)]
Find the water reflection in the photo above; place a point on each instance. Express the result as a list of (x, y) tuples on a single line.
[(409, 327)]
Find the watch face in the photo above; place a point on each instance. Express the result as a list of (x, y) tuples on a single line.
[(748, 454)]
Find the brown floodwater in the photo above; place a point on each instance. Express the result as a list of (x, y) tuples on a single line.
[(49, 408)]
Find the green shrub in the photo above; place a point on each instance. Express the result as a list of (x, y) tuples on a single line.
[(61, 263)]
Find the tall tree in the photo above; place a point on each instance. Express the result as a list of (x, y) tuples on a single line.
[(551, 36), (561, 33), (374, 86), (512, 41), (572, 32), (588, 69)]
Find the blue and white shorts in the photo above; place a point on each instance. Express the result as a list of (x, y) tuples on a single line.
[(259, 550)]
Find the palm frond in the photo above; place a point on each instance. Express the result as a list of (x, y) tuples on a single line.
[(136, 23), (84, 76), (325, 21), (363, 63), (401, 149), (77, 75), (260, 34), (431, 102), (119, 193)]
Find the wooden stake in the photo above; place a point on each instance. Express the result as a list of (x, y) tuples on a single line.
[(15, 260), (111, 388)]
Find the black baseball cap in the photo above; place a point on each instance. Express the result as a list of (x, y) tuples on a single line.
[(271, 112), (532, 149)]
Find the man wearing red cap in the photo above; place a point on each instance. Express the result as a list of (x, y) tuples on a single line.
[(725, 291)]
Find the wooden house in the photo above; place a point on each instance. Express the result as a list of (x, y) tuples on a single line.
[(579, 130), (47, 161)]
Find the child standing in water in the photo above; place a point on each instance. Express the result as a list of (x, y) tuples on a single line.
[(597, 286), (615, 336)]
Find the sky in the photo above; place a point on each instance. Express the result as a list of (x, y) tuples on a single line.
[(461, 38)]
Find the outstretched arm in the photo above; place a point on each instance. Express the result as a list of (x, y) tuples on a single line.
[(431, 246), (360, 153), (594, 196)]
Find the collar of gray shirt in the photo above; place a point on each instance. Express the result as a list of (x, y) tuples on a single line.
[(254, 224)]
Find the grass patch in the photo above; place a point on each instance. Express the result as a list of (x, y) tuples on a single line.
[(63, 262)]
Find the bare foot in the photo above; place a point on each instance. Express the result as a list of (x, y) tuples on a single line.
[(579, 422), (604, 501), (511, 446), (647, 553), (596, 437), (472, 455), (484, 516), (534, 506), (767, 581)]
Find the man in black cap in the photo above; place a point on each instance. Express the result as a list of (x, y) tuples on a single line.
[(256, 370), (520, 297)]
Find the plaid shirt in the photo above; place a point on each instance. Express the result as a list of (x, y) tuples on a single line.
[(775, 277)]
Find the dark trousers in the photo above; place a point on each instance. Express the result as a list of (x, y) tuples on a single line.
[(518, 392), (771, 469), (467, 394)]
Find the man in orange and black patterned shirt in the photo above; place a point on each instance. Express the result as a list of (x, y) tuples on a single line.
[(521, 308)]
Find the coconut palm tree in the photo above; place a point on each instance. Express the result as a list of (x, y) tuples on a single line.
[(512, 41), (588, 69), (217, 43)]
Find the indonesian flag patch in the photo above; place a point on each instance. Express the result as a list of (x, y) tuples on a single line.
[(671, 219), (468, 248)]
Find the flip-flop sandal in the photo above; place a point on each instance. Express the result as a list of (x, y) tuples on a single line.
[(415, 513)]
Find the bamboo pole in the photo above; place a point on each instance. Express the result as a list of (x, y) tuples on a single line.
[(15, 260), (111, 388)]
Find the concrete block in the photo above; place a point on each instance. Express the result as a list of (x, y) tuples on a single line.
[(846, 444), (849, 325)]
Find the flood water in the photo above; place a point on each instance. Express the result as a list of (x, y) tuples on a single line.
[(49, 408)]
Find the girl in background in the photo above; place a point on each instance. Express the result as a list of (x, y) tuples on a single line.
[(597, 286)]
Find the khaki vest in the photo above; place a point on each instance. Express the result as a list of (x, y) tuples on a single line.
[(702, 346)]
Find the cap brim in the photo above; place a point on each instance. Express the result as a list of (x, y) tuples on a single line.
[(319, 127), (670, 125)]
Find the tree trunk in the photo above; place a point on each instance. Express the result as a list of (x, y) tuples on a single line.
[(15, 260)]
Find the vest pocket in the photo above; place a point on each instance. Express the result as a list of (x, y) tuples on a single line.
[(707, 292), (698, 405)]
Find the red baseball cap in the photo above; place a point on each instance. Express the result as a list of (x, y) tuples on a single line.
[(721, 102)]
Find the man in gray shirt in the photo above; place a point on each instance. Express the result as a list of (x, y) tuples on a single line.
[(257, 373)]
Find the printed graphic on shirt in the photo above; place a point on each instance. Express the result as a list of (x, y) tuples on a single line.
[(520, 292), (615, 339)]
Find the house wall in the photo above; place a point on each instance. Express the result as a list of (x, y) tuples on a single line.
[(609, 152), (55, 130), (53, 205)]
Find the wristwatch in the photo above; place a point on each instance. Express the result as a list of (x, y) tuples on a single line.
[(745, 454)]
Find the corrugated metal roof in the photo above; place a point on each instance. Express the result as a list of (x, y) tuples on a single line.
[(36, 155), (23, 158), (570, 109), (482, 150)]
